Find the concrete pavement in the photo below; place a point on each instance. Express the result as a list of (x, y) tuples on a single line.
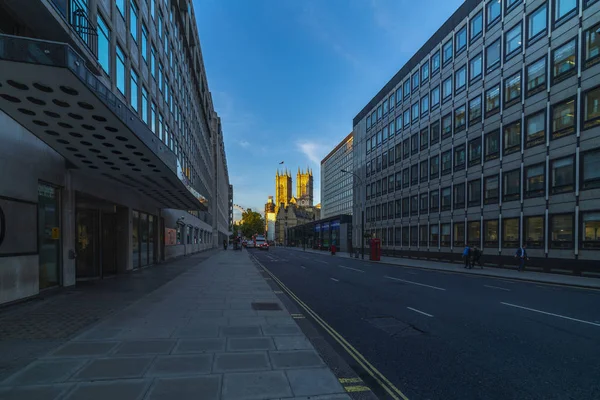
[(216, 331), (541, 277)]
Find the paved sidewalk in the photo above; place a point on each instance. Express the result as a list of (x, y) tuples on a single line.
[(210, 333), (541, 277)]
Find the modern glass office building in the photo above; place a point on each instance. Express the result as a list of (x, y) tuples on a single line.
[(490, 135), (112, 154), (336, 186)]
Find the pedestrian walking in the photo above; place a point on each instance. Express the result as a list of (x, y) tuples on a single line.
[(476, 257), (467, 256), (224, 244), (522, 255)]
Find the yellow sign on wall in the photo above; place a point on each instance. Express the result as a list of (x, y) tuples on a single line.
[(55, 233)]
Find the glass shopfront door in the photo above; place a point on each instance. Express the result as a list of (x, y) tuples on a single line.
[(144, 230), (49, 236), (87, 261)]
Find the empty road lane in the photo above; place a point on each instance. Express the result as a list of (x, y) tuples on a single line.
[(439, 335)]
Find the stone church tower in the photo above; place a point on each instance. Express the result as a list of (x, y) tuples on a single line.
[(304, 188), (283, 188)]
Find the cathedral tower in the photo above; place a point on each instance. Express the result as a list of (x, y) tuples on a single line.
[(283, 188), (304, 188)]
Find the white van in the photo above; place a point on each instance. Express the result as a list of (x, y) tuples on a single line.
[(261, 243)]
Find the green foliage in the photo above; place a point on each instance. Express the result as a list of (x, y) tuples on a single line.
[(252, 223)]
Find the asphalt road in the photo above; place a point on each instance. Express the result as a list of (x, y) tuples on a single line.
[(439, 335)]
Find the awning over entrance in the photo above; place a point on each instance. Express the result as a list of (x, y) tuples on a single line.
[(46, 88)]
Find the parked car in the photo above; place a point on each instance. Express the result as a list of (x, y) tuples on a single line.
[(249, 244), (261, 243)]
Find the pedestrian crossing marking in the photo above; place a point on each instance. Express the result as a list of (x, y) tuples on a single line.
[(297, 316), (278, 292)]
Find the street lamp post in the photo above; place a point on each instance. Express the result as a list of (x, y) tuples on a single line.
[(362, 219)]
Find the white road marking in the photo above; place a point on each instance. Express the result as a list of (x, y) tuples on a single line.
[(496, 287), (303, 267), (353, 269), (554, 315), (333, 279), (412, 273), (322, 262), (420, 312), (414, 283)]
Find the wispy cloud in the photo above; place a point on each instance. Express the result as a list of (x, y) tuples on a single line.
[(244, 143), (313, 150)]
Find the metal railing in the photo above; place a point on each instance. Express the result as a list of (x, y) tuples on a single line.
[(81, 24)]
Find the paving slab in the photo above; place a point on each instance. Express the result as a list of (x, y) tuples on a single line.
[(255, 361), (246, 344), (84, 349), (38, 392), (313, 381), (100, 333), (299, 342), (197, 331), (191, 364), (241, 331), (114, 368), (277, 330), (41, 372), (295, 359), (256, 385), (325, 397), (129, 389), (199, 345), (145, 347), (190, 388)]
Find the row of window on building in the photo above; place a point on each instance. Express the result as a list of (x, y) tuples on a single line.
[(179, 138), (526, 182), (482, 106), (563, 65), (532, 230), (513, 137)]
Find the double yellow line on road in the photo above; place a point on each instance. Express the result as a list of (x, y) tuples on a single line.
[(389, 387)]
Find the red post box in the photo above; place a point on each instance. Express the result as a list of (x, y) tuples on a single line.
[(375, 249)]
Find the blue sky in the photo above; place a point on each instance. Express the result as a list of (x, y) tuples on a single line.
[(288, 76)]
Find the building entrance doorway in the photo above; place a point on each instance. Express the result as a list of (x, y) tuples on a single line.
[(97, 233), (109, 244), (88, 252)]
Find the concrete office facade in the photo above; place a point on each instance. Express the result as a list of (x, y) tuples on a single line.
[(489, 135), (112, 155), (336, 186)]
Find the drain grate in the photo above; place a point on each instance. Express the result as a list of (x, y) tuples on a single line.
[(393, 326), (266, 306)]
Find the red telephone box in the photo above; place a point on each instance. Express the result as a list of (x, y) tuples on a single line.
[(375, 249)]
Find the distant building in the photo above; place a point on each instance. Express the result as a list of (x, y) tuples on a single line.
[(270, 218), (336, 186), (283, 188), (290, 216), (304, 188), (322, 233)]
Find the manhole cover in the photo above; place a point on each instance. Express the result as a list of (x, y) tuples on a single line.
[(266, 306), (393, 326)]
